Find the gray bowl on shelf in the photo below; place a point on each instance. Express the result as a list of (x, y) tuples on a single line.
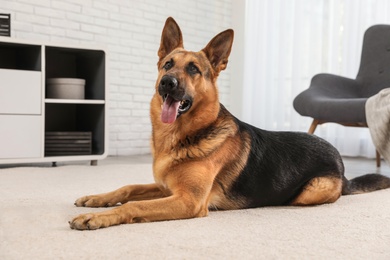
[(65, 88)]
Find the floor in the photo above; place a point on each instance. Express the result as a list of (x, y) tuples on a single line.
[(358, 166), (354, 166)]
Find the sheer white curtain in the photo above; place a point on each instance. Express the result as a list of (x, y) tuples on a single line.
[(287, 42)]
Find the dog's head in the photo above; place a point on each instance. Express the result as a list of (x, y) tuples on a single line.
[(186, 83)]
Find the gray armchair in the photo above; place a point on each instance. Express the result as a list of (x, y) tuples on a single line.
[(341, 100)]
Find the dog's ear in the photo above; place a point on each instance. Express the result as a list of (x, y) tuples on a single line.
[(171, 38), (218, 50)]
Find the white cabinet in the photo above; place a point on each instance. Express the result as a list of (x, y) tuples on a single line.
[(20, 92), (25, 112), (20, 136)]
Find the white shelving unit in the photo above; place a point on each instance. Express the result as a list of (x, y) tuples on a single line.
[(25, 112)]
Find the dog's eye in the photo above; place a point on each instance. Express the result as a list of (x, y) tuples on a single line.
[(168, 65), (192, 69)]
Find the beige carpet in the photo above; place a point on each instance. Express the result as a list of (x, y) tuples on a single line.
[(36, 204)]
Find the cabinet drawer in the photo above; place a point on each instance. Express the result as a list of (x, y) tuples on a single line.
[(20, 136), (20, 92)]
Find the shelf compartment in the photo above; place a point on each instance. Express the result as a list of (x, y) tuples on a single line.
[(78, 63), (68, 117), (20, 56)]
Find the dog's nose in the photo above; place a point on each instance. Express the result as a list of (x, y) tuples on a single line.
[(169, 83)]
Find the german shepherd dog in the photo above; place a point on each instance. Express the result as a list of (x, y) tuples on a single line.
[(205, 158)]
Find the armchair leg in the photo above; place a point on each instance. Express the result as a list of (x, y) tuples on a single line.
[(313, 126), (378, 159)]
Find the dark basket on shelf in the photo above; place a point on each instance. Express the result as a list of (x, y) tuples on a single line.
[(5, 25), (68, 143)]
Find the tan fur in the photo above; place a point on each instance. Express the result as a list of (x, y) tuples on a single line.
[(319, 191)]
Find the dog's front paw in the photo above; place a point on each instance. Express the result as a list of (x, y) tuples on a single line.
[(93, 201), (87, 222), (93, 221), (84, 222)]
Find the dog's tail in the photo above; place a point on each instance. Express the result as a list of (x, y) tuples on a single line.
[(365, 183)]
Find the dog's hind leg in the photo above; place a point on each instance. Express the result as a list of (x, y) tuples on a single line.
[(123, 195), (319, 190)]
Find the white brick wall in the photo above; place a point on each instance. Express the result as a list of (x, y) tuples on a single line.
[(131, 31)]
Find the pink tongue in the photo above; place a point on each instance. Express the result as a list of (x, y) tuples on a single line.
[(169, 110)]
